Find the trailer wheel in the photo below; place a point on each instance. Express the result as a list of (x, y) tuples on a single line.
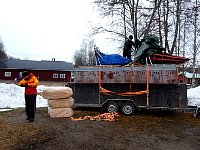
[(128, 108), (112, 107)]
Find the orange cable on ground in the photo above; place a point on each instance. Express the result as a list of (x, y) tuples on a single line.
[(104, 117)]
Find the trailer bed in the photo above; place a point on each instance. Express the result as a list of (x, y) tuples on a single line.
[(156, 86)]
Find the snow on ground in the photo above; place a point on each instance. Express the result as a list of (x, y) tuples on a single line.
[(193, 96), (12, 96)]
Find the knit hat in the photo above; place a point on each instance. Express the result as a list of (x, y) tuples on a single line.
[(25, 73)]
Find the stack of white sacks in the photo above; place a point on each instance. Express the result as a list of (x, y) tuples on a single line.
[(59, 100)]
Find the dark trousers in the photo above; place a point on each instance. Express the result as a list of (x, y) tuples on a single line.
[(127, 54), (30, 102)]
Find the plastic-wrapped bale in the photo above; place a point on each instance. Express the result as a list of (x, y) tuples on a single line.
[(57, 92), (60, 112), (61, 103)]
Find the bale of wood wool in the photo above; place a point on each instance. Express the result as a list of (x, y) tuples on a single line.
[(60, 112), (61, 103), (57, 92)]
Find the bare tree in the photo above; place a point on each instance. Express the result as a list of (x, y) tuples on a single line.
[(129, 17), (79, 59), (2, 51), (156, 7), (160, 17), (86, 55), (177, 22), (91, 59)]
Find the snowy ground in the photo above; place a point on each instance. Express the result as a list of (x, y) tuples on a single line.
[(12, 96), (193, 96)]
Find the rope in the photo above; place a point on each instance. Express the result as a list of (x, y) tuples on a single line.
[(130, 93), (107, 92)]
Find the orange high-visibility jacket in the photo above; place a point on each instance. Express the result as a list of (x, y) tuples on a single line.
[(32, 84)]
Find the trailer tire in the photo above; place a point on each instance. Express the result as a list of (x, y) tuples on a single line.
[(112, 107), (128, 108)]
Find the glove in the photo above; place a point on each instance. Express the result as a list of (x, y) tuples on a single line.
[(24, 85)]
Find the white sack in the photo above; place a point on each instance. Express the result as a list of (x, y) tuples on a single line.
[(60, 112), (57, 92), (61, 103)]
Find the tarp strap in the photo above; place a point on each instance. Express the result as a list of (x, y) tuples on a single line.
[(131, 78), (100, 80), (130, 93), (107, 92), (147, 81)]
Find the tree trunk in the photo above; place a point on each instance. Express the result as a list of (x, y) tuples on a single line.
[(176, 26), (166, 12), (157, 5)]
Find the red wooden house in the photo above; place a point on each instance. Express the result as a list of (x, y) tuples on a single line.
[(187, 78), (45, 70)]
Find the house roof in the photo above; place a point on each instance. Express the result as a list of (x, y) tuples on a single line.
[(190, 75), (35, 65)]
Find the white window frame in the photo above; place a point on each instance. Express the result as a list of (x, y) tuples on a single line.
[(7, 74), (55, 75), (62, 76)]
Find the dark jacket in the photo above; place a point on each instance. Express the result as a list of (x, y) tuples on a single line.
[(128, 45)]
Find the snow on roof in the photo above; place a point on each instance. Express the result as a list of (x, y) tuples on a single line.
[(190, 75)]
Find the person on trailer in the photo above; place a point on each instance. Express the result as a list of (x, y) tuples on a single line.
[(128, 47)]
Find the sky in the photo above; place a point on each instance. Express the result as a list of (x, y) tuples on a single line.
[(12, 96), (46, 29)]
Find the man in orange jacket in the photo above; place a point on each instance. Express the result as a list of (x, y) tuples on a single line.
[(30, 82)]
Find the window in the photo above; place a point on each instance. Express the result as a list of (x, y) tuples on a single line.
[(55, 75), (7, 74), (62, 75)]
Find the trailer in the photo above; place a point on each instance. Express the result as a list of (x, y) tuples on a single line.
[(128, 88)]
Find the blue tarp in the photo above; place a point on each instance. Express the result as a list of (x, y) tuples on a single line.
[(111, 59)]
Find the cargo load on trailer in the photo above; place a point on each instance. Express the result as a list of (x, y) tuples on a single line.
[(149, 52)]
